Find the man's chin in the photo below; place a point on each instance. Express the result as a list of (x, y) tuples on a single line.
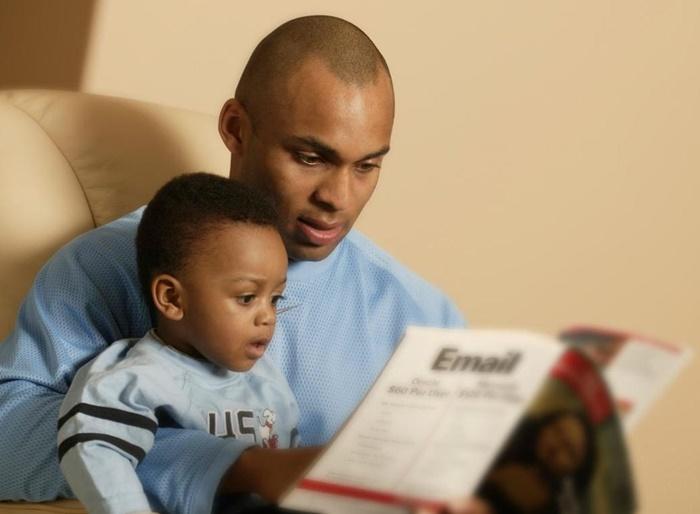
[(301, 252)]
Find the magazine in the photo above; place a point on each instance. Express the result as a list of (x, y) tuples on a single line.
[(637, 368), (515, 418)]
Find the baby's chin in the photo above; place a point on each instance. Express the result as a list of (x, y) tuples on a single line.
[(244, 361)]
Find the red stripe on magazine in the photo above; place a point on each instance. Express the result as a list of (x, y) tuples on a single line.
[(581, 375), (365, 494), (624, 335)]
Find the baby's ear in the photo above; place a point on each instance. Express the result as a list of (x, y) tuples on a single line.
[(166, 292)]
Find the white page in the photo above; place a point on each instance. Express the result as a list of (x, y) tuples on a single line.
[(428, 429), (640, 372)]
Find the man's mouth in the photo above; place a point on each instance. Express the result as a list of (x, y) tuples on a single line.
[(320, 233)]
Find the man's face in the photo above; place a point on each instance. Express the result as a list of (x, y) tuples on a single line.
[(230, 293), (318, 152)]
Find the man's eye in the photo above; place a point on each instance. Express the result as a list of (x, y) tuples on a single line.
[(308, 159), (245, 299), (366, 167)]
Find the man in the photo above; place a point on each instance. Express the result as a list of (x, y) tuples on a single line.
[(310, 124)]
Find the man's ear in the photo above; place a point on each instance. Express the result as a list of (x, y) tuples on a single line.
[(233, 123), (167, 295)]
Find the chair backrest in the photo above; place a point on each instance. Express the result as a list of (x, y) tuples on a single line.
[(72, 161)]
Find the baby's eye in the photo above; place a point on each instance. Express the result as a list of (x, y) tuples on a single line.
[(245, 299), (276, 299)]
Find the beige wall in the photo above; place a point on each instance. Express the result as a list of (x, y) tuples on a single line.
[(544, 168)]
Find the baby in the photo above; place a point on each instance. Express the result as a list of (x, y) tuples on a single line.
[(213, 268)]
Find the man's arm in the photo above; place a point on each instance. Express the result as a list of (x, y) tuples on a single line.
[(28, 445), (84, 298), (57, 330)]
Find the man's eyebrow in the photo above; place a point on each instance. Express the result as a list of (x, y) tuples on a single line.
[(379, 153), (330, 153), (318, 146)]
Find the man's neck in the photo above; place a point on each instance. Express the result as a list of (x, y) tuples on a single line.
[(305, 270)]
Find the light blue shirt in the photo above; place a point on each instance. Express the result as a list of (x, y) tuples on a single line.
[(347, 314), (108, 420)]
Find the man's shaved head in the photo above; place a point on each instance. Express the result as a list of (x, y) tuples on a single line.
[(345, 49), (310, 125)]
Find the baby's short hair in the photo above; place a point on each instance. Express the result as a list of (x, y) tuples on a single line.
[(183, 211)]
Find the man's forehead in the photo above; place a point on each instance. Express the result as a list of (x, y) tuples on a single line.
[(312, 84), (316, 105), (315, 92), (314, 70)]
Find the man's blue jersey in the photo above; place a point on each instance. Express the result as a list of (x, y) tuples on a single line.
[(345, 315)]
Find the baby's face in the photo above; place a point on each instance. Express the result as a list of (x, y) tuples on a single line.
[(231, 287)]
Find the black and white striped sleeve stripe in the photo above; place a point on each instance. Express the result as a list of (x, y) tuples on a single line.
[(111, 414)]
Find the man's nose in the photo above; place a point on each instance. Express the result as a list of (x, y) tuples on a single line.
[(334, 190)]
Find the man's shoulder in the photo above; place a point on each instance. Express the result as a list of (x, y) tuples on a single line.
[(365, 252), (388, 273), (112, 234), (111, 246)]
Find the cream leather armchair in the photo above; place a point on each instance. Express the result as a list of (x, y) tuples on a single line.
[(70, 162)]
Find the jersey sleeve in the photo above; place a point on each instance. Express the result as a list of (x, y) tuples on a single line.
[(77, 305), (106, 427), (453, 316)]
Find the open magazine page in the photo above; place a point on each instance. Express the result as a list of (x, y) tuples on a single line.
[(567, 454), (432, 424), (636, 368)]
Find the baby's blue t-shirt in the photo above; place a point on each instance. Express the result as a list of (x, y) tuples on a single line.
[(108, 420)]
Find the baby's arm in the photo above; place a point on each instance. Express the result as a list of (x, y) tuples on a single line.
[(106, 426)]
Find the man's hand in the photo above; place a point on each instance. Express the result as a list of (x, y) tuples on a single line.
[(267, 472)]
